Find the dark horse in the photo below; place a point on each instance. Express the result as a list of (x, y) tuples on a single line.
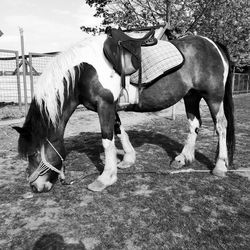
[(82, 75)]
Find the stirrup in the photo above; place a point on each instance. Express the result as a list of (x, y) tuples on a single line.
[(123, 98)]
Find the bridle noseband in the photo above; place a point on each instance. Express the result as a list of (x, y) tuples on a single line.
[(44, 166)]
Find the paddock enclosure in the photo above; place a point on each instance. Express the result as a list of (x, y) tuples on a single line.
[(147, 208), (17, 88)]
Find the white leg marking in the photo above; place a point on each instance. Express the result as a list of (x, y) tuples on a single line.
[(129, 157), (187, 154), (109, 174), (222, 160)]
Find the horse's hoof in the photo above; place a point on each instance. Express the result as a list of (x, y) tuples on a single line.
[(124, 164), (96, 186), (176, 164), (220, 168), (219, 172)]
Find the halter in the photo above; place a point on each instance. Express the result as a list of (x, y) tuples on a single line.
[(44, 166)]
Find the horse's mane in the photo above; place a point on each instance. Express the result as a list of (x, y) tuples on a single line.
[(51, 89), (60, 75)]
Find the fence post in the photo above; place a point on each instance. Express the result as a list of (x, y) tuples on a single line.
[(18, 82), (31, 77), (24, 71)]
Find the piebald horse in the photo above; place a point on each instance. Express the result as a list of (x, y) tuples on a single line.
[(82, 75)]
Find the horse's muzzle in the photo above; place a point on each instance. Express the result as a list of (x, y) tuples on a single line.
[(39, 185)]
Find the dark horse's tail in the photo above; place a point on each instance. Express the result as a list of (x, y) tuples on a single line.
[(229, 108)]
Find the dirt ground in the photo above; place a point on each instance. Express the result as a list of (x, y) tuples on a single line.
[(142, 210)]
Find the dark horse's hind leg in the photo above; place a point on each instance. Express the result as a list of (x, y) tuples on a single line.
[(106, 113), (218, 115), (129, 156), (191, 100)]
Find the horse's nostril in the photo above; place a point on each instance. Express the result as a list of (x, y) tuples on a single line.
[(33, 188), (46, 189)]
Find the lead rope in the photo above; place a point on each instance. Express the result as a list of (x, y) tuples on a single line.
[(189, 170)]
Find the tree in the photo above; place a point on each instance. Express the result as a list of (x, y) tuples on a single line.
[(226, 21)]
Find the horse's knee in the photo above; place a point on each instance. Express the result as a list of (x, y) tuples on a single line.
[(106, 113)]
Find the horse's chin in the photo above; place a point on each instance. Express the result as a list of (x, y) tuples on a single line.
[(41, 184)]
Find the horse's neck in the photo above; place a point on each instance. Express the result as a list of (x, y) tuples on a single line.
[(66, 114)]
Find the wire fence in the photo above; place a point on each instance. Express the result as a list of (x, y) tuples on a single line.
[(12, 84), (37, 63)]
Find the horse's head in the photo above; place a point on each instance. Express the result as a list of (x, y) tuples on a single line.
[(45, 159)]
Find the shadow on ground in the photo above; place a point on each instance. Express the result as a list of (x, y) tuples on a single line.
[(90, 144)]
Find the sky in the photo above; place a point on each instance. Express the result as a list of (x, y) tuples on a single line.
[(48, 25)]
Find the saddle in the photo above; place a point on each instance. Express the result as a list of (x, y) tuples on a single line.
[(118, 43)]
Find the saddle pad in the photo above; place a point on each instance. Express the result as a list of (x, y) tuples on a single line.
[(157, 60)]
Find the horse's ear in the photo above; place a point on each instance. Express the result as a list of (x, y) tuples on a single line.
[(22, 131), (18, 129)]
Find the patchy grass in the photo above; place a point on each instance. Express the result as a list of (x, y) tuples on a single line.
[(141, 210)]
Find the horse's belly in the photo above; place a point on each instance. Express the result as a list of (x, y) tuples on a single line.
[(161, 95)]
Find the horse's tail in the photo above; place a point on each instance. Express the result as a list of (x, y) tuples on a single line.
[(229, 108), (229, 113)]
